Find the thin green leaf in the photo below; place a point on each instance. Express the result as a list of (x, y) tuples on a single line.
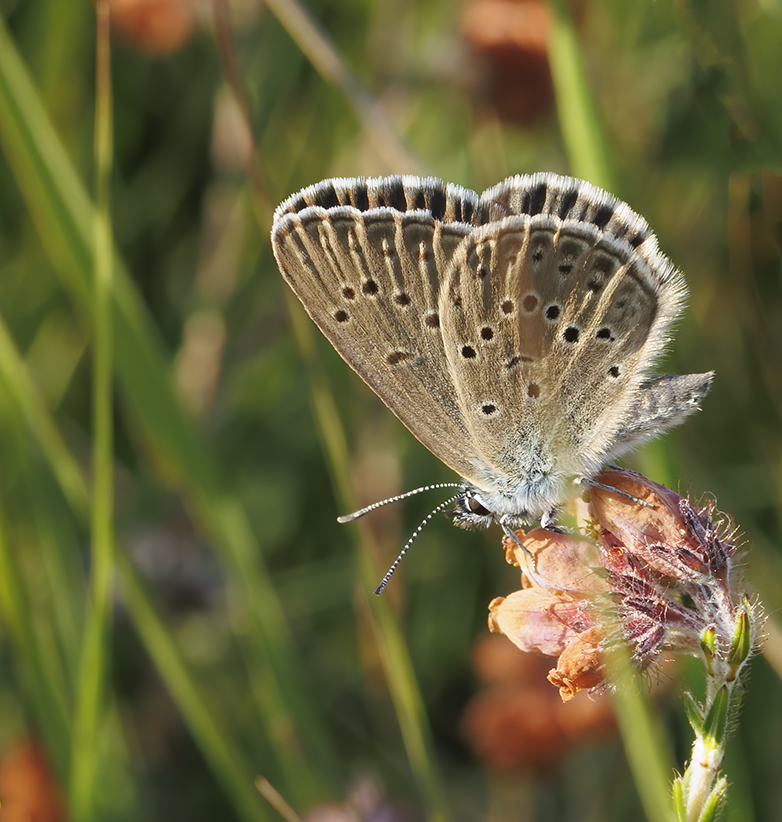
[(716, 802), (694, 712), (641, 736), (578, 118), (679, 806), (716, 720), (91, 690)]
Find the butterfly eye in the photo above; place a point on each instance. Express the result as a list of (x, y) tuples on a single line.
[(476, 507)]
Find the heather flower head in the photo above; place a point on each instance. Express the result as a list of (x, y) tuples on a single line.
[(658, 573), (658, 570), (556, 612), (670, 566)]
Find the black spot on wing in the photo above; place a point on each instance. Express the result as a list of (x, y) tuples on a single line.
[(360, 196), (602, 216), (464, 210), (392, 195), (327, 195), (437, 203), (297, 205), (537, 199), (566, 203)]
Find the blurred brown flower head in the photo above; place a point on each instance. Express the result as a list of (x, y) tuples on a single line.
[(511, 37), (157, 27), (28, 790), (516, 721), (659, 575)]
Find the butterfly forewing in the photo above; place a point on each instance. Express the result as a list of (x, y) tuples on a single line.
[(371, 280)]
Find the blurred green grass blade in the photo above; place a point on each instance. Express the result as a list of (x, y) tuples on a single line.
[(397, 665), (47, 702), (25, 412), (215, 744), (226, 764), (86, 759), (578, 118), (649, 764), (320, 51), (21, 388), (62, 214)]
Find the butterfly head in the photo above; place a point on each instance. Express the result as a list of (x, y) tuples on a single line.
[(476, 509), (470, 511)]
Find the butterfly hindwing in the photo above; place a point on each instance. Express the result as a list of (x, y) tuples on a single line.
[(550, 327)]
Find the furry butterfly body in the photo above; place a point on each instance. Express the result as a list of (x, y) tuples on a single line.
[(514, 333)]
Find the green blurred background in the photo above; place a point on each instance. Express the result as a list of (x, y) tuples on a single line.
[(245, 640)]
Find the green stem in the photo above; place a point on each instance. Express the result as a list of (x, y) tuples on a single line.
[(578, 119), (94, 663)]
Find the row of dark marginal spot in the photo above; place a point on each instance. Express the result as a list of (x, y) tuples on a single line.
[(468, 352), (434, 200), (392, 195), (534, 201)]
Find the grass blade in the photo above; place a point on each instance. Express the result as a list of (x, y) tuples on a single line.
[(91, 691), (394, 654), (578, 119)]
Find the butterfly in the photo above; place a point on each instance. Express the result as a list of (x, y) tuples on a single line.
[(514, 333)]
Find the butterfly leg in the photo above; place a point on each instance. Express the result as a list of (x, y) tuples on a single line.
[(530, 570), (549, 522), (512, 535), (620, 493)]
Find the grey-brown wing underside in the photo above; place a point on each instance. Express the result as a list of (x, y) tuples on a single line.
[(368, 272), (643, 279), (550, 328), (661, 403)]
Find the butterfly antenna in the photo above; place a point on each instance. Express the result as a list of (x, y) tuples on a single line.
[(380, 588), (362, 511)]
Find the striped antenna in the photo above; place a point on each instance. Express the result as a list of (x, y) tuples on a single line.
[(360, 513), (380, 588)]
